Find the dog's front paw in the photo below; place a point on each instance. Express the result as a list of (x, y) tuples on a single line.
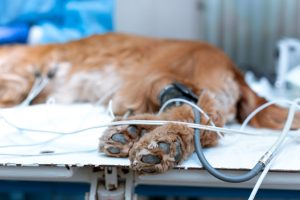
[(117, 141), (157, 152)]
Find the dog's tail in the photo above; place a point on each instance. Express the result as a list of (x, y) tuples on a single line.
[(273, 117)]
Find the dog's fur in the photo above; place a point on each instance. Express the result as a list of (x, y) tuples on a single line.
[(132, 71)]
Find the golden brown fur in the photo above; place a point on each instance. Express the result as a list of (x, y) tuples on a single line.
[(132, 71)]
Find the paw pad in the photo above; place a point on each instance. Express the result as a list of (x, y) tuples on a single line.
[(113, 150), (151, 159), (165, 147), (178, 153), (132, 131), (149, 171), (118, 137)]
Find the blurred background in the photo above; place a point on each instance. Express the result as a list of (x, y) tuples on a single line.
[(252, 32), (248, 30)]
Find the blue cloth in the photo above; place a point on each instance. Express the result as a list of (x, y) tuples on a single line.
[(59, 20), (16, 33)]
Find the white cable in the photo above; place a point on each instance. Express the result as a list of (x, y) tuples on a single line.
[(62, 134), (138, 122), (128, 122), (261, 178), (286, 128), (274, 149), (32, 92), (260, 108), (117, 123), (110, 110), (39, 84), (192, 105)]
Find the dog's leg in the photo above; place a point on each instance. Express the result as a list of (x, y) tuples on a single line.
[(117, 141), (14, 87), (165, 146), (168, 145)]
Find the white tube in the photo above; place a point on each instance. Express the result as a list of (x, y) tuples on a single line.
[(274, 149), (192, 105)]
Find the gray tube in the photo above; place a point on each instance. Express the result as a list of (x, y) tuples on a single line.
[(228, 178)]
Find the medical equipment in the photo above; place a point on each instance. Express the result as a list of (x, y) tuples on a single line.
[(64, 134), (40, 82), (178, 90), (288, 67), (262, 163)]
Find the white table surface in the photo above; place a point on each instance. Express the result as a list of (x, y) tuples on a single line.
[(233, 152)]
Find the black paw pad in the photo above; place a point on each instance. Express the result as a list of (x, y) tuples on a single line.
[(113, 150), (165, 147), (151, 159), (148, 171), (178, 153), (132, 131), (118, 137)]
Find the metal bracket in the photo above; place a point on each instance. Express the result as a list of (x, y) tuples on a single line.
[(112, 183), (110, 178)]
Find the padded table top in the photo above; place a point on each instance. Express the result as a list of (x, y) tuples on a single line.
[(80, 149)]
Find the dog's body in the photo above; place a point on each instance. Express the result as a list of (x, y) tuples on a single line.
[(132, 71)]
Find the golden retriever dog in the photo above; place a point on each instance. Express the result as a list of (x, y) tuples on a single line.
[(133, 72)]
